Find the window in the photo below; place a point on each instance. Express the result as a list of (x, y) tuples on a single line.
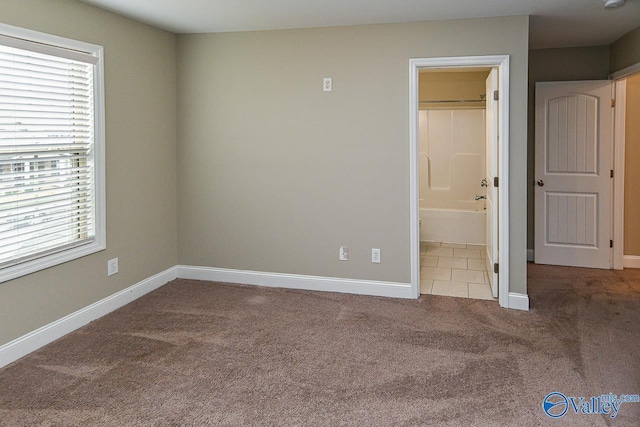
[(52, 199)]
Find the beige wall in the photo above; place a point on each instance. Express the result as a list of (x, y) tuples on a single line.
[(141, 168), (625, 51), (547, 65), (274, 174), (282, 176), (631, 170), (451, 86)]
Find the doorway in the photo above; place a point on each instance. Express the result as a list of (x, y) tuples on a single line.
[(455, 127), (498, 190), (626, 226), (581, 199)]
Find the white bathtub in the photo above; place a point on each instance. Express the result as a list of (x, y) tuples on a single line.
[(453, 226)]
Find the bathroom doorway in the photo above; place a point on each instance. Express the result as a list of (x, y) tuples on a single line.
[(458, 223), (453, 133)]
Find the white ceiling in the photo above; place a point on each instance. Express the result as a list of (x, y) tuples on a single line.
[(554, 23)]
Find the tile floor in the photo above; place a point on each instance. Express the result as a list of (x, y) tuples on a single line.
[(455, 270)]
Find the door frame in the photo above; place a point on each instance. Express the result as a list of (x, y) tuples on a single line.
[(617, 211), (620, 96), (501, 62)]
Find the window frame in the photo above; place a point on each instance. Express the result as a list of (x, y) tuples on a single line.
[(47, 43)]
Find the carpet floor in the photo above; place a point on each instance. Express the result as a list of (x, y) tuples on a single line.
[(202, 353)]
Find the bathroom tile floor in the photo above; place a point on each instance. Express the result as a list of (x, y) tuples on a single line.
[(455, 270)]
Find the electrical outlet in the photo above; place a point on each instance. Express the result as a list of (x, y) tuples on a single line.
[(375, 256), (344, 253), (327, 84), (112, 267)]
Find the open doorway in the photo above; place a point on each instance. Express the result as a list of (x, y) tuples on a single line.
[(626, 226), (454, 129), (495, 194)]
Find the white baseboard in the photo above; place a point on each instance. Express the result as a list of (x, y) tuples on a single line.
[(631, 261), (32, 341), (295, 281), (518, 301), (531, 255)]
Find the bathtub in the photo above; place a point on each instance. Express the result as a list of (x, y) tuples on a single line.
[(453, 226)]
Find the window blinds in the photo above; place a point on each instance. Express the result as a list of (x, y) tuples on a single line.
[(46, 152)]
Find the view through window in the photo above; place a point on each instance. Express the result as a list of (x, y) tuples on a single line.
[(48, 163)]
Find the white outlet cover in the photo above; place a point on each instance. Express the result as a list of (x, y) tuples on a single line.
[(375, 256), (112, 267), (327, 84)]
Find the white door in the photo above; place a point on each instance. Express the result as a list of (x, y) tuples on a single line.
[(573, 173), (491, 173)]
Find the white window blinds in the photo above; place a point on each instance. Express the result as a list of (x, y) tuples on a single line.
[(47, 200)]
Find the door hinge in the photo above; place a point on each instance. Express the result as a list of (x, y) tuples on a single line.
[(496, 95), (613, 103), (611, 173), (496, 268), (496, 181), (610, 243)]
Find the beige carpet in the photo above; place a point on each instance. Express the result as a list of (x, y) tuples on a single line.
[(201, 353)]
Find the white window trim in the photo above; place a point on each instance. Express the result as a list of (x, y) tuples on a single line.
[(51, 44)]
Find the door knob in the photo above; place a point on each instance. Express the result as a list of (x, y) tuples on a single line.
[(540, 183)]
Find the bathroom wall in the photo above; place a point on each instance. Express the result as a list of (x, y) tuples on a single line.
[(452, 158), (451, 85), (452, 138)]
